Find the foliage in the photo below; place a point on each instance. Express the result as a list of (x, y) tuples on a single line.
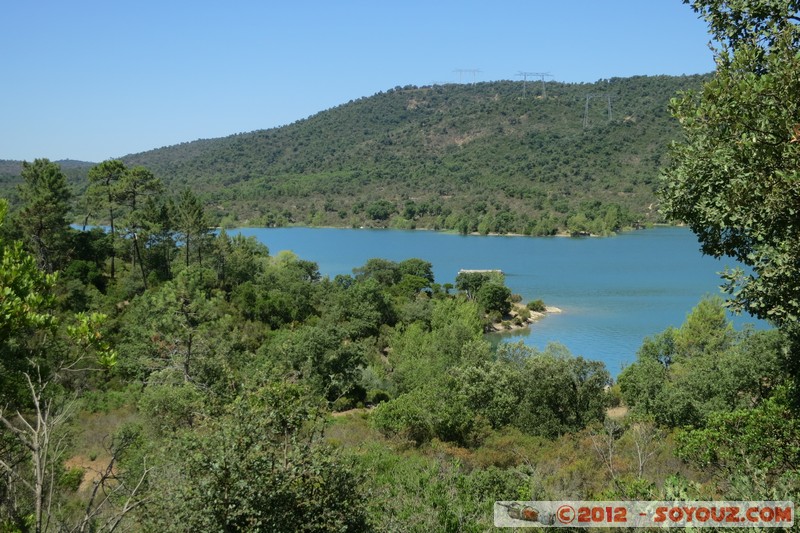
[(682, 376), (406, 417), (494, 298), (26, 303), (537, 306), (321, 357), (420, 493), (562, 393), (261, 467), (546, 393), (762, 443), (45, 196), (734, 178)]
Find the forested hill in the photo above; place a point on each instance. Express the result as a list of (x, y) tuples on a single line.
[(75, 172), (473, 157), (488, 157)]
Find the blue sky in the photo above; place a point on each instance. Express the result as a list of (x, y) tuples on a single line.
[(93, 80)]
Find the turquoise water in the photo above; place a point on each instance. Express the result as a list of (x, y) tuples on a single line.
[(613, 291)]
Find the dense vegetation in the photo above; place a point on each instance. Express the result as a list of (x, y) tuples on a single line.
[(471, 158), (161, 376)]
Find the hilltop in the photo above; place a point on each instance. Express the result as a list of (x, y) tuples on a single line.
[(484, 157)]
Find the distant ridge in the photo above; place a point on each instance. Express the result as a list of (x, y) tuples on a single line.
[(471, 158), (10, 175)]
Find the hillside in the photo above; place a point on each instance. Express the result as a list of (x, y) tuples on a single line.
[(75, 171), (469, 157), (479, 157)]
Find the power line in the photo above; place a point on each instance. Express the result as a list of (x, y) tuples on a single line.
[(589, 96), (541, 75), (462, 71)]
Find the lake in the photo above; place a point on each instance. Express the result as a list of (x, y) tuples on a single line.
[(614, 291)]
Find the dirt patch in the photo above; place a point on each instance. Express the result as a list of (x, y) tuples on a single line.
[(93, 469), (352, 412), (616, 413)]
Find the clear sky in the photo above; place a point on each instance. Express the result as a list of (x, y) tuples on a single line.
[(93, 80)]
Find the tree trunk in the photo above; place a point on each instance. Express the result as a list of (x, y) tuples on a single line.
[(187, 360), (111, 221), (138, 256)]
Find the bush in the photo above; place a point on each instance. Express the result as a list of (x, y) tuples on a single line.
[(71, 479), (377, 396), (495, 316), (170, 407), (404, 417), (614, 395), (99, 401), (537, 306), (343, 404)]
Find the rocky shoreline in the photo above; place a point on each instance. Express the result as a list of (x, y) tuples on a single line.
[(512, 320)]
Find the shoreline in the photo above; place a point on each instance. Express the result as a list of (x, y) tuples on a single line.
[(561, 234), (510, 325)]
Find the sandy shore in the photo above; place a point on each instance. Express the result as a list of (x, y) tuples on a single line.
[(511, 324)]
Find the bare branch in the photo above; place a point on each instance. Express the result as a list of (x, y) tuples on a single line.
[(13, 472), (128, 506)]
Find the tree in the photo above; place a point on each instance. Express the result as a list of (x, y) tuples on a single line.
[(384, 271), (683, 375), (734, 177), (33, 416), (44, 218), (471, 282), (320, 357), (25, 307), (43, 439), (191, 222), (237, 260), (563, 393), (380, 209), (174, 330), (103, 179), (135, 186), (417, 267), (159, 218), (494, 297)]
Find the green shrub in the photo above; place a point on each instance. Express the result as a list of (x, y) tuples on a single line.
[(99, 401), (495, 316), (494, 297), (614, 395), (170, 407), (537, 306), (404, 417), (342, 404), (377, 396), (71, 479)]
